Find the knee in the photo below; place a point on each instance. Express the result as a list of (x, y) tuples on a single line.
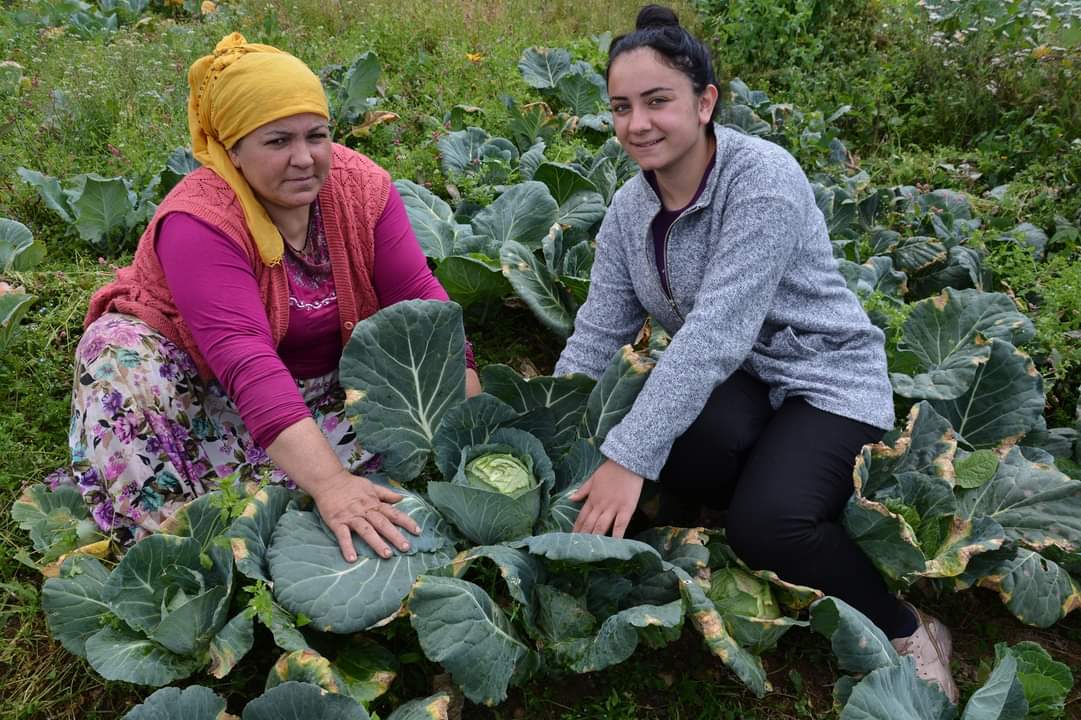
[(125, 364), (109, 335)]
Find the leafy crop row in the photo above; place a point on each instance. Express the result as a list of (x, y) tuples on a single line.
[(567, 602), (102, 17), (291, 700), (108, 213)]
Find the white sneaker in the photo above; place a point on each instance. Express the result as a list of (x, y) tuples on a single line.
[(930, 647)]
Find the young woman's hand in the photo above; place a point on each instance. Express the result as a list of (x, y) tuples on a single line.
[(611, 495), (349, 503)]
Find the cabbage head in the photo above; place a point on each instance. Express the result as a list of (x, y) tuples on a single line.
[(737, 592), (500, 489), (502, 472), (749, 609)]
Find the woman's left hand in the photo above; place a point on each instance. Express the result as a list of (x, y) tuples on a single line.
[(352, 504), (611, 496)]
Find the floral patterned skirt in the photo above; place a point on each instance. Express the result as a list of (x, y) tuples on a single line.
[(148, 435)]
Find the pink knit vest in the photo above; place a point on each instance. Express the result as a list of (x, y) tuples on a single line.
[(351, 201)]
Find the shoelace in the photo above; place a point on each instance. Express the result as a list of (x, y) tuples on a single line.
[(932, 635)]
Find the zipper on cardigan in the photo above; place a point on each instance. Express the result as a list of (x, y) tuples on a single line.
[(667, 286)]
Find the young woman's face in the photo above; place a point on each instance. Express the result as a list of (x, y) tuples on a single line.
[(286, 161), (658, 117)]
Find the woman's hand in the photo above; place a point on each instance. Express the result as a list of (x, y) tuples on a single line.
[(346, 502), (349, 503), (611, 494)]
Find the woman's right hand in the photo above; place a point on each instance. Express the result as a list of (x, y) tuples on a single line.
[(349, 503)]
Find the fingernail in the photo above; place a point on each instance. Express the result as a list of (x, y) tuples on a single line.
[(351, 557), (385, 553), (404, 546)]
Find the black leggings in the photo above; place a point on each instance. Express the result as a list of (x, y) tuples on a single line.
[(784, 477)]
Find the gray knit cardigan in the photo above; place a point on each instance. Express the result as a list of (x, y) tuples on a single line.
[(753, 284)]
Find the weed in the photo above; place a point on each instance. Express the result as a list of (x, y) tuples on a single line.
[(1049, 293)]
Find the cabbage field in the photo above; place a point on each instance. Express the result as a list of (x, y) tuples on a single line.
[(943, 144)]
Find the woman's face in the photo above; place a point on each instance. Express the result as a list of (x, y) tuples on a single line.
[(286, 161), (658, 117)]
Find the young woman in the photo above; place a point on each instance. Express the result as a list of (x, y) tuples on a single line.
[(216, 351), (774, 378)]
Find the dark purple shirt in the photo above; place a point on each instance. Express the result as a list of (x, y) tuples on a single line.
[(664, 219)]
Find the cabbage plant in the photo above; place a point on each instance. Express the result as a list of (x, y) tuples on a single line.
[(925, 507), (488, 479), (748, 607), (575, 602), (549, 426), (574, 86), (288, 701), (14, 304), (19, 252), (108, 213), (740, 593), (58, 522), (884, 685), (496, 494), (163, 612), (534, 239)]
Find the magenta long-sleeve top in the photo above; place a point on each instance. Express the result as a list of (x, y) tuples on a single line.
[(215, 290)]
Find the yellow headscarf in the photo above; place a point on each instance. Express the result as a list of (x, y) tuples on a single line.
[(239, 88)]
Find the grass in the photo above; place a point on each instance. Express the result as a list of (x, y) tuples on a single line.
[(116, 105), (38, 678)]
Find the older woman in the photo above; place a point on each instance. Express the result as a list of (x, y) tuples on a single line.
[(215, 352)]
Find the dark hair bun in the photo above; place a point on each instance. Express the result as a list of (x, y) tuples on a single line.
[(656, 16), (658, 29)]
